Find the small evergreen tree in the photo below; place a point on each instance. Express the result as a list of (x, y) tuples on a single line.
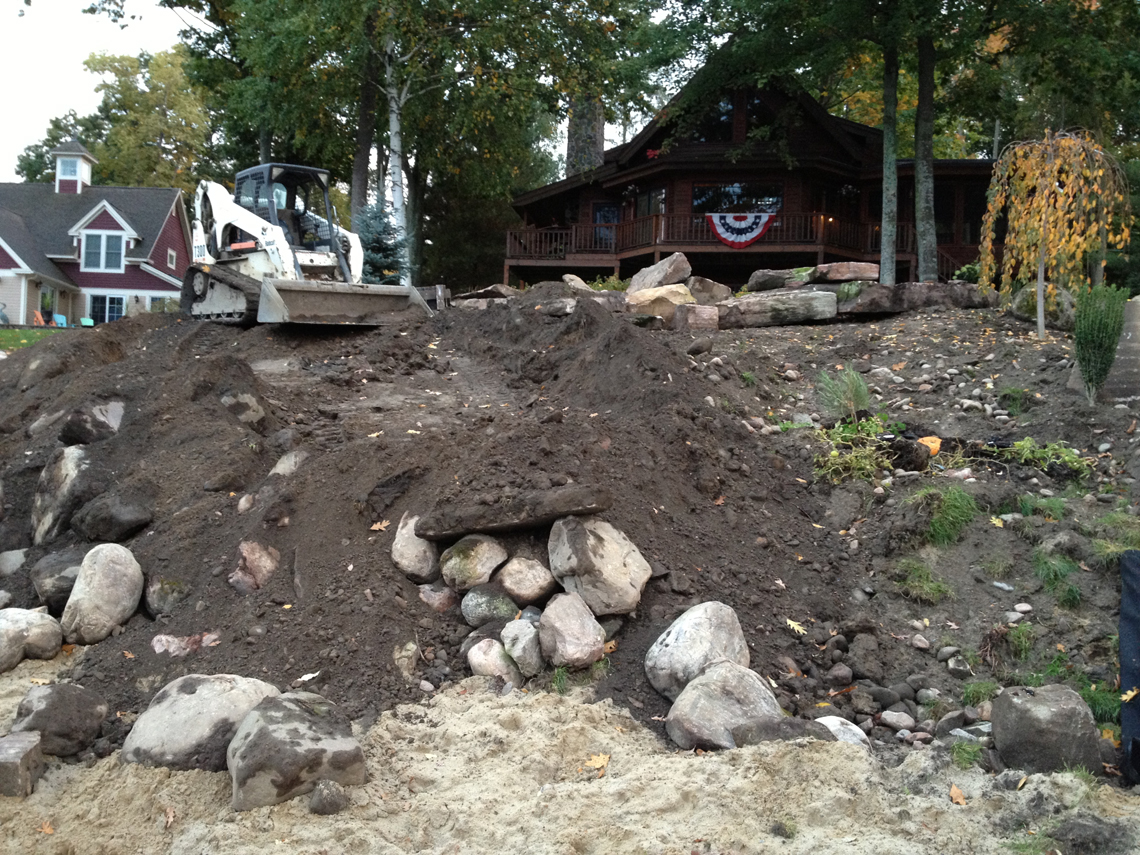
[(843, 396), (1098, 323), (382, 245)]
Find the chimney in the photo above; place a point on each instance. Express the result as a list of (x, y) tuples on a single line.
[(585, 136), (73, 165)]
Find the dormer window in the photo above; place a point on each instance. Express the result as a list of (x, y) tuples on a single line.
[(68, 167), (102, 251)]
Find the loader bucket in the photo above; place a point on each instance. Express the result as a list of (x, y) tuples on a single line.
[(312, 302)]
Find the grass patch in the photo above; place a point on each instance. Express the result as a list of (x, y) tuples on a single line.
[(1051, 455), (1082, 774), (919, 584), (600, 670), (1054, 571), (844, 395), (1052, 508), (15, 339), (951, 510), (965, 754), (1118, 532), (1015, 401), (560, 680), (978, 692), (855, 451), (1069, 597), (1103, 700), (997, 568), (1020, 639), (748, 378)]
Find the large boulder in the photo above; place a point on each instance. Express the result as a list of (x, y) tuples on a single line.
[(111, 518), (526, 580), (416, 557), (855, 298), (53, 576), (535, 509), (484, 604), (707, 292), (190, 721), (27, 634), (286, 744), (689, 317), (706, 633), (725, 697), (590, 557), (58, 494), (489, 658), (92, 423), (471, 561), (569, 634), (662, 301), (520, 638), (771, 280), (846, 271), (106, 593), (68, 717), (1059, 315), (667, 271), (776, 308), (1045, 729)]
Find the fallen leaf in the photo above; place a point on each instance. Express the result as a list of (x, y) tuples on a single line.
[(997, 521), (1130, 694), (1131, 427), (834, 693), (1109, 734), (287, 606), (773, 682), (658, 718), (956, 795), (898, 366), (1111, 769), (816, 525), (797, 628), (801, 480), (719, 500), (68, 649), (374, 435), (1060, 647), (39, 681), (169, 817), (413, 431), (823, 704), (610, 646), (952, 625), (45, 827), (1021, 783), (127, 654), (380, 526), (598, 761)]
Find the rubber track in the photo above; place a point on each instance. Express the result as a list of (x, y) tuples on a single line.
[(249, 286)]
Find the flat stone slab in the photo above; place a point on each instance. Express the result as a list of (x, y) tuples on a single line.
[(21, 763), (871, 298), (527, 510), (776, 308)]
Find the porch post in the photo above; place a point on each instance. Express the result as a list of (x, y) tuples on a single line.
[(506, 273)]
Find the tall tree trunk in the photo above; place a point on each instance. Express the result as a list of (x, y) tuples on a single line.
[(366, 121), (396, 159), (414, 206), (925, 233), (890, 221), (997, 139), (264, 144)]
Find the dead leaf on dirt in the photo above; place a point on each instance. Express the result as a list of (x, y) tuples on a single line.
[(719, 500), (45, 827), (599, 762), (1109, 734), (823, 704), (374, 435), (1131, 427), (1111, 769), (997, 521), (956, 795), (797, 628), (169, 817), (801, 480), (67, 649), (1021, 783), (898, 366), (413, 431), (1060, 647), (610, 646), (380, 526), (128, 655), (952, 625), (658, 718), (39, 681), (1130, 694), (833, 692)]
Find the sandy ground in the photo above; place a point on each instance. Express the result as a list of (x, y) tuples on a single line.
[(468, 771)]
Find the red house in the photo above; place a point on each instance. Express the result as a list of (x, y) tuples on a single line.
[(72, 251), (813, 188)]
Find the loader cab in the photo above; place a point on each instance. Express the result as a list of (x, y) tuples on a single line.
[(296, 198)]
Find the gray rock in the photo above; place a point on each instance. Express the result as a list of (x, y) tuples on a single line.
[(106, 593), (846, 271), (706, 633), (487, 603), (526, 581), (659, 302), (1060, 317), (5, 599), (489, 658), (725, 697), (190, 721), (286, 744), (40, 368), (668, 271), (27, 634), (66, 716), (863, 657), (706, 291), (524, 511), (927, 696), (1045, 731), (438, 597), (21, 764), (256, 565), (693, 317), (92, 423), (11, 561), (757, 730), (471, 561), (950, 721), (520, 638), (327, 798), (590, 557), (897, 720), (569, 634), (162, 594), (53, 576), (776, 308), (111, 518), (944, 653), (868, 297), (845, 731), (58, 494), (959, 667), (770, 280), (416, 557), (839, 675), (289, 463)]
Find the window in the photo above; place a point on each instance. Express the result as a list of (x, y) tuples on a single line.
[(68, 168), (105, 309), (102, 251), (717, 126), (650, 203), (740, 198), (171, 258)]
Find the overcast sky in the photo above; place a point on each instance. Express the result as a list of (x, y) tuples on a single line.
[(41, 62)]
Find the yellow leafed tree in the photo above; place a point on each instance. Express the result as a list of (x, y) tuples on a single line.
[(1065, 202)]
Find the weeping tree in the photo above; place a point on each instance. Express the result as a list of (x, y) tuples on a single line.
[(1065, 203)]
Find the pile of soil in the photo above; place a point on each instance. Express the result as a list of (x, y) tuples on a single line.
[(481, 405)]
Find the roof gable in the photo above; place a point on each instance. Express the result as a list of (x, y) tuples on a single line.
[(104, 217), (10, 259)]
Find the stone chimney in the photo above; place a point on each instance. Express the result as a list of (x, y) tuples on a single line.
[(585, 136)]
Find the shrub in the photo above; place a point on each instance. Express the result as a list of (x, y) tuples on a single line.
[(609, 283), (844, 395), (969, 272), (1098, 323)]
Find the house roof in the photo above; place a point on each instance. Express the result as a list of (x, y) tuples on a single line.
[(73, 147), (47, 216), (16, 234)]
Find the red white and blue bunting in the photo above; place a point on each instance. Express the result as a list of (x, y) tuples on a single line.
[(739, 230)]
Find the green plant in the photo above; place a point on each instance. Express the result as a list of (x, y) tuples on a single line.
[(969, 272), (784, 828), (1014, 400), (1069, 597), (600, 670), (1020, 639), (1029, 453), (919, 584), (951, 510), (1053, 570), (973, 657), (1052, 508), (997, 567), (559, 681), (15, 339), (728, 406), (748, 378), (1082, 774), (856, 451), (965, 754), (978, 691), (609, 283), (843, 396), (1098, 322), (1103, 700), (1119, 532)]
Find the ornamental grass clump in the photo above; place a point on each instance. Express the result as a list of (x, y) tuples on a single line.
[(843, 396), (1098, 323)]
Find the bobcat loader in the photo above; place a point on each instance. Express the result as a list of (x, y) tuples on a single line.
[(272, 252)]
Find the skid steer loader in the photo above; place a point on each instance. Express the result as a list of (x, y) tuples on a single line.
[(272, 252)]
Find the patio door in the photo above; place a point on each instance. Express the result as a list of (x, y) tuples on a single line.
[(606, 215)]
